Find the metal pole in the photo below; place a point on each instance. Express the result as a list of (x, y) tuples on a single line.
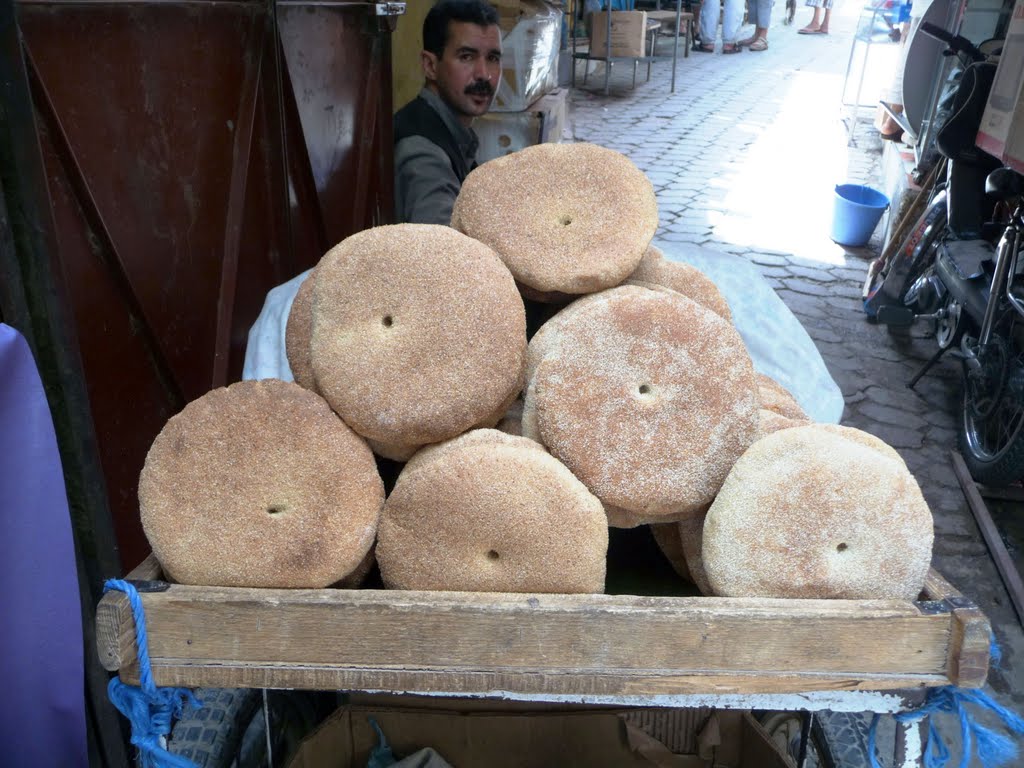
[(675, 45)]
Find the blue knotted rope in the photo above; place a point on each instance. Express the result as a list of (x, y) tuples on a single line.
[(149, 709), (994, 749)]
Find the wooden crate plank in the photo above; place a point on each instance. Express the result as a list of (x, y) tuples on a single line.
[(1004, 563), (970, 639), (556, 635), (611, 687)]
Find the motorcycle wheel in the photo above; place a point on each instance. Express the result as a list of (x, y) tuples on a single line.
[(991, 436), (229, 729), (917, 251)]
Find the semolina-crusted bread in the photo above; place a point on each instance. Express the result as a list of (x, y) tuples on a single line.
[(624, 518), (864, 438), (419, 333), (490, 512), (566, 218), (814, 512), (546, 338), (512, 422), (528, 426), (546, 297), (648, 398), (259, 485), (666, 536), (355, 579), (770, 421), (774, 397), (691, 538), (297, 334), (401, 453), (655, 269)]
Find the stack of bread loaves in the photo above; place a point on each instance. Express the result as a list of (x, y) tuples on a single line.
[(636, 403)]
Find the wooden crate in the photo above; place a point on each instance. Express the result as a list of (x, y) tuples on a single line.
[(544, 646)]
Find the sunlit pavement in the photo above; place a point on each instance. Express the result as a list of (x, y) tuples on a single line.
[(744, 157)]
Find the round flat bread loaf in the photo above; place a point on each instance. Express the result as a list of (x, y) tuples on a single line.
[(546, 297), (681, 544), (259, 485), (419, 333), (691, 539), (655, 269), (298, 332), (490, 512), (774, 397), (546, 338), (649, 398), (512, 422), (809, 512), (770, 421), (567, 218), (402, 453), (666, 536)]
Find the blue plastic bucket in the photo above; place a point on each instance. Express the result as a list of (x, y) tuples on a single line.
[(857, 211)]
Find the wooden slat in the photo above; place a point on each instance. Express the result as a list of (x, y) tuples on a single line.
[(1004, 563), (549, 643), (1012, 493), (970, 640), (535, 685), (148, 570)]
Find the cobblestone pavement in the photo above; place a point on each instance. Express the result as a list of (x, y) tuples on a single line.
[(744, 157)]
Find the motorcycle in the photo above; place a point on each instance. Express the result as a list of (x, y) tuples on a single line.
[(959, 267)]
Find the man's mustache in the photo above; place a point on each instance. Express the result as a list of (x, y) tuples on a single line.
[(479, 88)]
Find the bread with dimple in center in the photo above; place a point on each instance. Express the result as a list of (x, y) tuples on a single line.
[(491, 512), (647, 396), (655, 269), (818, 511), (419, 333), (259, 485), (565, 218)]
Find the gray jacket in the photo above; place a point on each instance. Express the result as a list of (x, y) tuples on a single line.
[(426, 185)]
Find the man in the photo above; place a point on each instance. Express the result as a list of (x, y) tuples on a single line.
[(435, 147)]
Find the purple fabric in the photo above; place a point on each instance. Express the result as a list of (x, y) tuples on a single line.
[(42, 709)]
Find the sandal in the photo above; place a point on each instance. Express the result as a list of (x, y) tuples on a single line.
[(759, 45), (812, 31), (705, 48), (731, 48), (747, 41)]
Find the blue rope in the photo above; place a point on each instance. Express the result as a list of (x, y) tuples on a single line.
[(149, 709), (994, 749)]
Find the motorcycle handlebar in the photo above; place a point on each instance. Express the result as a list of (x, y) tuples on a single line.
[(956, 43)]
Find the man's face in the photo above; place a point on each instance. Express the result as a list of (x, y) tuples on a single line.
[(466, 75)]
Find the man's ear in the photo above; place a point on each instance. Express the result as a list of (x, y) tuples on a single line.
[(428, 61)]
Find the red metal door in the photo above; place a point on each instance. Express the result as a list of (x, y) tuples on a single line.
[(196, 153)]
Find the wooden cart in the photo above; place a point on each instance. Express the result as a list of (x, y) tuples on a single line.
[(843, 655)]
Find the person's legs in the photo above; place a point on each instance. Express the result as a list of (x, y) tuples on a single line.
[(824, 22), (732, 20), (814, 25), (760, 17), (709, 12)]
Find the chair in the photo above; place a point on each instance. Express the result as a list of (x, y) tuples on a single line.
[(687, 25)]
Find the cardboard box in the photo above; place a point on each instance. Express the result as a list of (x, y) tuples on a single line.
[(628, 34), (508, 735), (502, 133), (1002, 126), (529, 55)]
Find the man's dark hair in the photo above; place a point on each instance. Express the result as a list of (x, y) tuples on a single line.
[(435, 26)]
